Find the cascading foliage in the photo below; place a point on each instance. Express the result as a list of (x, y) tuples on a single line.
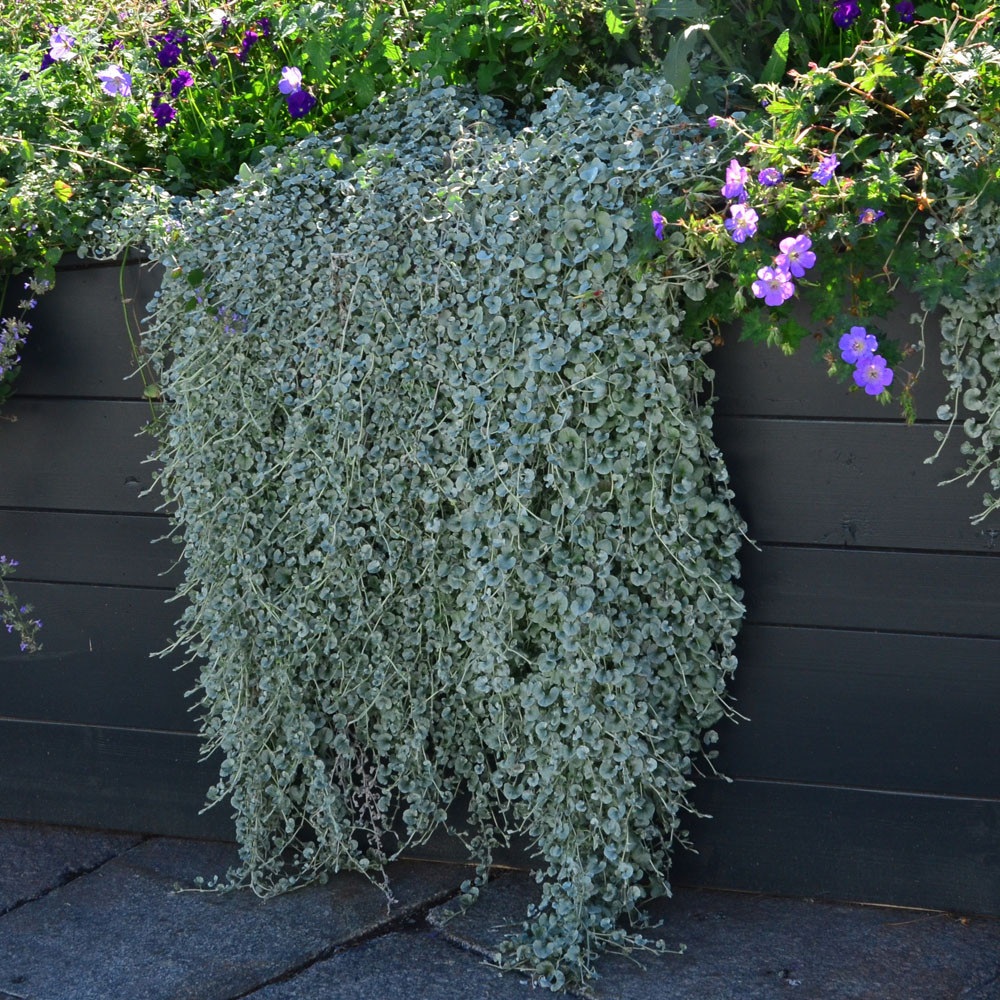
[(453, 517)]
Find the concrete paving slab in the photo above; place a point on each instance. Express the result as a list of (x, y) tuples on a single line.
[(123, 932), (749, 947), (36, 859), (409, 964)]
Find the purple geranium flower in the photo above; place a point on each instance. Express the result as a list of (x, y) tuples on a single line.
[(770, 176), (170, 48), (872, 374), (774, 285), (736, 179), (61, 42), (713, 121), (905, 11), (291, 80), (845, 13), (856, 344), (795, 256), (658, 223), (250, 38), (115, 81), (300, 103), (824, 172), (179, 82), (163, 112), (47, 61), (869, 215), (743, 222), (264, 24)]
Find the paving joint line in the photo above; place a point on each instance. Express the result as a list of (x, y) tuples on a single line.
[(67, 877), (415, 919)]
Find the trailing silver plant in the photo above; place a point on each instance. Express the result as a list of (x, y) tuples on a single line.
[(460, 549), (970, 314)]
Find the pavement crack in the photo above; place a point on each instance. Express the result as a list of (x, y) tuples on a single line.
[(410, 919), (64, 879)]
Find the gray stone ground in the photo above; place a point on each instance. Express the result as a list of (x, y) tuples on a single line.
[(96, 916)]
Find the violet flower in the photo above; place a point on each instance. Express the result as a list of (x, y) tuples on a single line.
[(795, 256), (845, 13), (291, 80), (743, 222), (856, 344), (61, 42), (179, 82), (736, 179), (869, 215), (115, 81), (300, 103), (824, 172), (872, 374), (658, 223), (774, 285)]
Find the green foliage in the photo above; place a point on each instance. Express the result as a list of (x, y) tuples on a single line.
[(453, 516), (67, 147), (911, 203)]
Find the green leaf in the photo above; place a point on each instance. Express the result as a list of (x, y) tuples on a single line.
[(246, 173), (317, 53), (63, 191), (152, 391), (195, 277), (676, 69), (775, 68), (615, 25)]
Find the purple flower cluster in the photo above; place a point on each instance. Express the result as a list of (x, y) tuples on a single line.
[(300, 102), (774, 284), (858, 348), (26, 627)]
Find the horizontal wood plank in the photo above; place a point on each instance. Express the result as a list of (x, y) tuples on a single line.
[(818, 482), (846, 844), (877, 710), (819, 841), (944, 593), (73, 454), (111, 779), (754, 379), (113, 549), (95, 666), (80, 344)]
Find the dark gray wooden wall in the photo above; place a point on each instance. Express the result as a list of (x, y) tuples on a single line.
[(870, 661), (92, 730), (869, 666)]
